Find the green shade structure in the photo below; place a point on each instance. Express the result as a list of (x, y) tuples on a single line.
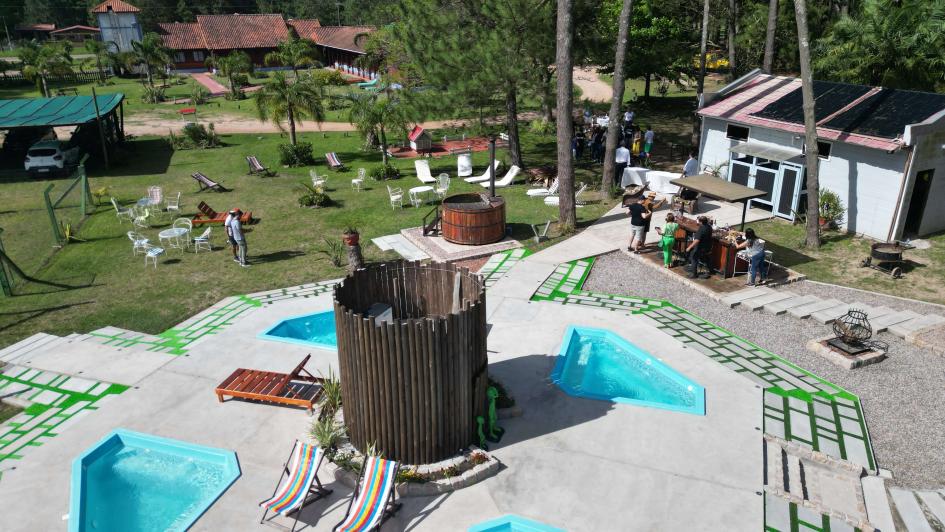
[(58, 111)]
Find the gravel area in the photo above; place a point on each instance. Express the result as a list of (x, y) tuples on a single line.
[(901, 396)]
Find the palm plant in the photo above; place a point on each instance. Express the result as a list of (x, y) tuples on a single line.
[(103, 55), (376, 114), (40, 62), (230, 66), (295, 53), (278, 99), (150, 53)]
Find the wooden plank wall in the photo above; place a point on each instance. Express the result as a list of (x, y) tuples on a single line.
[(415, 386)]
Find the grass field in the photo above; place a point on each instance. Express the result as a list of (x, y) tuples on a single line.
[(285, 248), (8, 411)]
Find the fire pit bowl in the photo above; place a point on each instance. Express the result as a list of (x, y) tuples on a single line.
[(886, 257)]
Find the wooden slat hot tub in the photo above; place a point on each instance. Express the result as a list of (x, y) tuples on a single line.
[(472, 219)]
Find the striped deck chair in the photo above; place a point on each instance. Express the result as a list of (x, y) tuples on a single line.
[(334, 162), (301, 481), (375, 498)]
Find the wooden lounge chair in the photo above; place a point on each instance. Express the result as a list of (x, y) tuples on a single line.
[(273, 387), (374, 500), (300, 485), (256, 167), (208, 184), (210, 216), (334, 162)]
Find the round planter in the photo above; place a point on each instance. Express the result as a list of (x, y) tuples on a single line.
[(351, 239)]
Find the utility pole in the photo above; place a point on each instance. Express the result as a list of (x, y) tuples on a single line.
[(5, 29), (338, 5)]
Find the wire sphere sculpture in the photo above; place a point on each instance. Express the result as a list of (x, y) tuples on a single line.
[(853, 327)]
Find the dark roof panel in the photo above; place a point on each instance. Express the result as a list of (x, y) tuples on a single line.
[(829, 98), (888, 112)]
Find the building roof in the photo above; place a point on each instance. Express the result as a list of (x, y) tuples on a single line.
[(182, 36), (77, 27), (874, 117), (230, 32), (58, 111), (416, 133), (115, 6), (304, 27), (341, 37), (35, 27)]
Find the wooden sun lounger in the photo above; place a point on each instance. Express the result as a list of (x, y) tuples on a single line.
[(272, 387), (256, 167), (208, 184), (210, 216)]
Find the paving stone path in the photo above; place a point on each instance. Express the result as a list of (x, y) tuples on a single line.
[(800, 407), (782, 515), (499, 264)]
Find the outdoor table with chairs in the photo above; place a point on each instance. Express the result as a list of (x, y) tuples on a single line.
[(174, 238), (420, 195)]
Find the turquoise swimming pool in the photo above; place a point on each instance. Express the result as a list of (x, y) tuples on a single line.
[(513, 523), (315, 330), (598, 364), (133, 481)]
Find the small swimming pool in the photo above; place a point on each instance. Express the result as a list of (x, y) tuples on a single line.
[(598, 364), (513, 523), (316, 330), (134, 481)]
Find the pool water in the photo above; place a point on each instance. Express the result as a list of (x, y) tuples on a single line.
[(132, 481), (599, 364), (513, 523), (316, 330)]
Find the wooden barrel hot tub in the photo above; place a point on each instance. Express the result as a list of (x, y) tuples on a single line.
[(472, 219)]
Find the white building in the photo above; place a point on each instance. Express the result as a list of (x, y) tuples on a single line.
[(881, 150), (118, 22)]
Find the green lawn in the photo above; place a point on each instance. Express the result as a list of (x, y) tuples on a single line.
[(838, 262), (8, 411), (285, 247)]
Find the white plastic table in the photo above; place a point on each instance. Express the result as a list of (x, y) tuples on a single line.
[(419, 195), (634, 175), (173, 236)]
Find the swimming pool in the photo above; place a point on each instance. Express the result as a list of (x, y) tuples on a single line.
[(598, 364), (316, 330), (513, 523), (134, 481)]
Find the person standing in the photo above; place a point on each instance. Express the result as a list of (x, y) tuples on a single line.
[(621, 161), (668, 239), (691, 167), (229, 234), (637, 146), (639, 215), (236, 233), (628, 117), (597, 144), (648, 139), (756, 256), (700, 247)]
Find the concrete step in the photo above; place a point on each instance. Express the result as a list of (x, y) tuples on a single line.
[(935, 502), (909, 510), (780, 307), (795, 477), (828, 315), (903, 329), (735, 298), (882, 323), (877, 503), (22, 349), (756, 303), (112, 334), (401, 245), (878, 312), (804, 311)]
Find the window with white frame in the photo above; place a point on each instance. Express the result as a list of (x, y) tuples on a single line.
[(823, 149), (179, 57), (199, 55)]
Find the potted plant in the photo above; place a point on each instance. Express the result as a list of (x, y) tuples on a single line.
[(831, 208), (351, 236)]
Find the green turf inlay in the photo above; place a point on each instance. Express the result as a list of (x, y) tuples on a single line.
[(500, 263)]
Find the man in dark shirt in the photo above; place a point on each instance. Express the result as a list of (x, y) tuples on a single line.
[(700, 247), (639, 215)]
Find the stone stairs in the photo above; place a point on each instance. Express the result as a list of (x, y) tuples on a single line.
[(895, 508), (825, 311)]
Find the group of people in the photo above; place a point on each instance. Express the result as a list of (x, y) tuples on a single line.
[(235, 236), (634, 146)]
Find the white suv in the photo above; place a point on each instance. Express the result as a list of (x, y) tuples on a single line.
[(49, 157)]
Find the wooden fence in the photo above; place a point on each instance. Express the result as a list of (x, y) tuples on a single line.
[(414, 385), (85, 76)]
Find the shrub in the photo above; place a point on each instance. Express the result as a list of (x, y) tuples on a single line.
[(152, 94), (831, 207), (324, 76), (236, 95), (383, 173), (328, 433), (241, 80), (331, 394), (541, 127), (297, 155), (333, 250), (198, 94), (196, 136), (313, 196)]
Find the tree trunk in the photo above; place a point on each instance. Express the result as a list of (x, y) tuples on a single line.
[(101, 70), (147, 69), (732, 17), (616, 100), (565, 129), (291, 117), (511, 119), (810, 127), (547, 96), (646, 85), (383, 139), (42, 79), (700, 88), (769, 36), (355, 258)]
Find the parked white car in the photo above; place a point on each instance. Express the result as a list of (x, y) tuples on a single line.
[(50, 157)]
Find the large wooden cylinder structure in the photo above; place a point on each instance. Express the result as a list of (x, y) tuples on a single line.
[(414, 383), (472, 219)]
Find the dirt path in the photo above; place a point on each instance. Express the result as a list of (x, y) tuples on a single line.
[(592, 87)]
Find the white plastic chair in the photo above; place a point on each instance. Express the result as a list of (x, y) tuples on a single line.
[(156, 195), (578, 202), (550, 191), (138, 242), (153, 252), (173, 204), (317, 180), (423, 171), (506, 179), (141, 216), (396, 197), (485, 175), (464, 165), (358, 181), (415, 199), (203, 242), (184, 223), (442, 185), (123, 214)]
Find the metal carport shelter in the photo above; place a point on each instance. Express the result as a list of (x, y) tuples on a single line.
[(720, 189)]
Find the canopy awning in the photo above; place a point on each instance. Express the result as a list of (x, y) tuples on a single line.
[(58, 111), (762, 151), (717, 188)]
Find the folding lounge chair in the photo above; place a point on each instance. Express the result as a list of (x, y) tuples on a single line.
[(550, 191), (506, 179), (256, 167), (484, 176), (374, 500), (423, 172), (298, 484), (334, 162), (209, 216), (272, 387), (578, 202), (208, 184)]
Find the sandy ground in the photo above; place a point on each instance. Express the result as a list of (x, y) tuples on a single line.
[(592, 87)]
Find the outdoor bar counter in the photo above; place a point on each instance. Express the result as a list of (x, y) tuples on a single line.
[(722, 258)]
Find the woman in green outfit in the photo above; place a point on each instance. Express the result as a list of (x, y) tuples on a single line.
[(668, 240)]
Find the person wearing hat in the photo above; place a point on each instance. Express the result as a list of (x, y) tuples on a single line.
[(234, 229)]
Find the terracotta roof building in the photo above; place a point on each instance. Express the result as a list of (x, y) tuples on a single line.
[(77, 33), (40, 32), (115, 6)]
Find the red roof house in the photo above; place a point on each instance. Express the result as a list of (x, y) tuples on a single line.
[(420, 139), (115, 6)]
